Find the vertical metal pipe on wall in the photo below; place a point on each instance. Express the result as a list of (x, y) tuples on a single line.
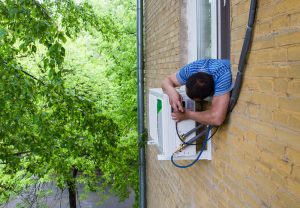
[(141, 128)]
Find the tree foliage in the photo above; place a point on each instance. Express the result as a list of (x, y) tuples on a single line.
[(52, 120)]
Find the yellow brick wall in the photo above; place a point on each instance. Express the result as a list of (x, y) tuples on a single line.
[(256, 153), (162, 39)]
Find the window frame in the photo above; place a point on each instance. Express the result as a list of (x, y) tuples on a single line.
[(220, 29)]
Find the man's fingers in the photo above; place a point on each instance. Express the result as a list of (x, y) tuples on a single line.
[(180, 108), (174, 107), (175, 119)]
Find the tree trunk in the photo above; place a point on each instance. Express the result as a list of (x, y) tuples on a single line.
[(72, 189)]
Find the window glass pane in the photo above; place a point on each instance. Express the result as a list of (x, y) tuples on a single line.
[(204, 29)]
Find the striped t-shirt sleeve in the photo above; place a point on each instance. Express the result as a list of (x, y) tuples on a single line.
[(183, 74), (223, 84)]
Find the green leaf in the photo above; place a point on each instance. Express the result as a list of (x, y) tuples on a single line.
[(3, 32), (33, 48)]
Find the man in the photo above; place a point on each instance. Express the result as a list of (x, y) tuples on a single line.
[(203, 78)]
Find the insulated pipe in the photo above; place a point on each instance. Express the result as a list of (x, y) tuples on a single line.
[(192, 130), (141, 128), (195, 138), (246, 46)]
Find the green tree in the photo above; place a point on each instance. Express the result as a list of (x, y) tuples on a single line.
[(54, 125)]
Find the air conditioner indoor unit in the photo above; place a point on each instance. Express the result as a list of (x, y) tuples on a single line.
[(162, 128)]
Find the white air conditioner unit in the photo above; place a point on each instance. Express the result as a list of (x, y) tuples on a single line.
[(162, 128)]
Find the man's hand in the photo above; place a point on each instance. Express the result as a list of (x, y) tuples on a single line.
[(168, 86), (176, 102), (215, 115), (180, 116)]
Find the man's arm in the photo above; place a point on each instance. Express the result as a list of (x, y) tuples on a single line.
[(168, 86), (213, 116)]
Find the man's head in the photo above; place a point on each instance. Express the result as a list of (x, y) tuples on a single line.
[(200, 86)]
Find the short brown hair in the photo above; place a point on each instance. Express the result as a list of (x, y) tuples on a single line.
[(200, 86)]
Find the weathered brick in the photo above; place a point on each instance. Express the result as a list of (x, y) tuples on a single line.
[(265, 85), (295, 175), (265, 99), (251, 200), (294, 121), (291, 71), (265, 28), (262, 192), (242, 21), (280, 22), (290, 104), (277, 178), (263, 43), (261, 56), (237, 34), (262, 168), (284, 199), (252, 110), (269, 144), (279, 55), (263, 128), (280, 117), (241, 121), (261, 70), (284, 6), (294, 19), (264, 12), (290, 38), (265, 114), (294, 53), (294, 71), (242, 8), (281, 85), (236, 46), (251, 136), (251, 84), (273, 162), (288, 137), (294, 86), (294, 187), (294, 156)]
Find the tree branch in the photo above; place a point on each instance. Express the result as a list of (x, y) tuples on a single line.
[(30, 75), (26, 73), (44, 11)]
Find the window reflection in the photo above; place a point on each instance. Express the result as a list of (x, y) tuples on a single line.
[(204, 29)]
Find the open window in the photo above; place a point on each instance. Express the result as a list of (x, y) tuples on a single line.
[(208, 34)]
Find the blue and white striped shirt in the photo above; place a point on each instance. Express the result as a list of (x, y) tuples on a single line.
[(218, 68)]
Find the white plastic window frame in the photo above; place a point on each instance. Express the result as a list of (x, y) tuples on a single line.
[(216, 35)]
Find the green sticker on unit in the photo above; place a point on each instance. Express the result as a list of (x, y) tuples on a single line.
[(158, 105)]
